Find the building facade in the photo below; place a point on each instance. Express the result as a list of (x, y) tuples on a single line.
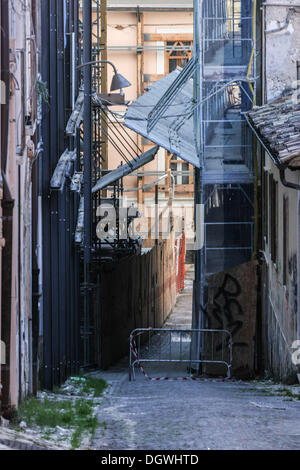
[(280, 201), (20, 151), (149, 40)]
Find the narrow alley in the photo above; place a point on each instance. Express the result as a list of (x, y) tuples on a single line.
[(149, 225), (202, 414)]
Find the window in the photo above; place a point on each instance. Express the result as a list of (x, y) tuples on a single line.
[(178, 54), (180, 169), (178, 50)]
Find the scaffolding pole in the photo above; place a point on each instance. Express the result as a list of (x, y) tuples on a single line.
[(197, 314), (224, 38), (87, 172)]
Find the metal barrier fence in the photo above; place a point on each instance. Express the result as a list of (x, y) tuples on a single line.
[(180, 262), (190, 347)]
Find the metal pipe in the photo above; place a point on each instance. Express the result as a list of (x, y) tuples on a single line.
[(93, 62), (287, 5), (198, 292), (54, 216), (287, 184), (87, 173), (263, 56), (285, 25)]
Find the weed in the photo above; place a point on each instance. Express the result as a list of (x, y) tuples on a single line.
[(94, 385), (75, 414), (46, 412), (286, 392)]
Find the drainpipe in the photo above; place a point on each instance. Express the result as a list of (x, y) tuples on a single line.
[(286, 23), (286, 183)]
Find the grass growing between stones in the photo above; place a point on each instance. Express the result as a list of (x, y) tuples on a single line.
[(273, 390), (67, 415), (285, 392), (94, 386)]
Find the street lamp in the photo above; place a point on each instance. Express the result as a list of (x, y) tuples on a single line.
[(118, 81)]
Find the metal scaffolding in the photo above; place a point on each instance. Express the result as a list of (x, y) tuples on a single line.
[(224, 89)]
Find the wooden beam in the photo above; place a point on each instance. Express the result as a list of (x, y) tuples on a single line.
[(168, 37), (140, 81), (182, 188)]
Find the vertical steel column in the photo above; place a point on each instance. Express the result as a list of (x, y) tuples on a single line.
[(198, 284), (87, 173), (64, 279), (46, 207), (77, 167), (54, 231)]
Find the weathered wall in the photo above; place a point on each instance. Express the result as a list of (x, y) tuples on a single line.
[(17, 203), (282, 48), (136, 292), (278, 340), (232, 299), (280, 299)]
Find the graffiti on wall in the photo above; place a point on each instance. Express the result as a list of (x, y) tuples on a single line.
[(232, 298), (227, 310)]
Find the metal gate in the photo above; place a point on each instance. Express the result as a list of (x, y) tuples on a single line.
[(188, 346)]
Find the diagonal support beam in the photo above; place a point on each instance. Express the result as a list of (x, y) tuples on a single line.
[(126, 169)]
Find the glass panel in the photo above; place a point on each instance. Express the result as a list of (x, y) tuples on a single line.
[(173, 167), (185, 178), (172, 65)]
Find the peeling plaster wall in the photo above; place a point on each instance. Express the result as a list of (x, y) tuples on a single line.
[(281, 309), (18, 174), (282, 49), (282, 315)]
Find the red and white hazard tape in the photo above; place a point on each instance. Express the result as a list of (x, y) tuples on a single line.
[(134, 350)]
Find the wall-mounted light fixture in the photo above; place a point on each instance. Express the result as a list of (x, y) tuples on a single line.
[(118, 81)]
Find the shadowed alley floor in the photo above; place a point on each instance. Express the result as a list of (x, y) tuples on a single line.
[(194, 415)]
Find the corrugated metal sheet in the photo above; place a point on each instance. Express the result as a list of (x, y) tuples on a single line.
[(124, 170), (175, 130)]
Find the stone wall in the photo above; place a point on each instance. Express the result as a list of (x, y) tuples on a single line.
[(282, 48)]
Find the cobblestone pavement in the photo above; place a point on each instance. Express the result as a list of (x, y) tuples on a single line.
[(194, 415), (11, 439)]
